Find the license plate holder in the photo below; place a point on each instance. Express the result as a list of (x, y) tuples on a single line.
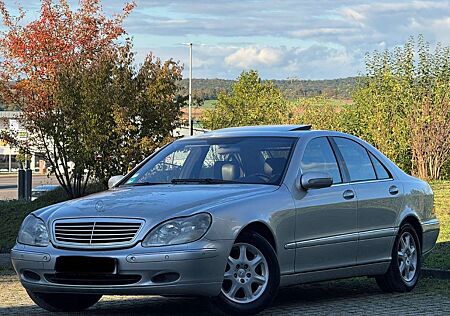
[(86, 265)]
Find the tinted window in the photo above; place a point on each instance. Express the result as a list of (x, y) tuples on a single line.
[(319, 156), (380, 170), (356, 159)]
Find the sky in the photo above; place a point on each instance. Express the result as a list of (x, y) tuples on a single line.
[(304, 39)]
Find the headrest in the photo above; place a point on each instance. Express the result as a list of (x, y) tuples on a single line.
[(230, 171), (226, 170)]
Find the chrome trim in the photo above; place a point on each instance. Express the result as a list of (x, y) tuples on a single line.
[(369, 234), (430, 222), (172, 256), (91, 224), (323, 241), (378, 233), (290, 245), (362, 182), (30, 256)]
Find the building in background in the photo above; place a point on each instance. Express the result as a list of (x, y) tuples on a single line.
[(9, 162), (10, 122)]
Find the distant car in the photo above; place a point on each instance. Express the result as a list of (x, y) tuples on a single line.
[(37, 191), (233, 215)]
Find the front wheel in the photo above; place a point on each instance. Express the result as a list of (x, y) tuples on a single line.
[(251, 277), (404, 270), (60, 302)]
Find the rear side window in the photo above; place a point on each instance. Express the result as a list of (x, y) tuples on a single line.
[(380, 170), (319, 156), (356, 159)]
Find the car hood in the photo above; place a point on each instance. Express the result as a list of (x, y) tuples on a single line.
[(152, 203)]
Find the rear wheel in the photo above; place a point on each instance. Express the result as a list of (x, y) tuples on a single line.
[(251, 276), (61, 302), (404, 270)]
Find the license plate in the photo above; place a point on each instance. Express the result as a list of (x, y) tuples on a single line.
[(88, 265)]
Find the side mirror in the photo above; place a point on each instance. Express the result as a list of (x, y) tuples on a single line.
[(314, 180), (113, 180)]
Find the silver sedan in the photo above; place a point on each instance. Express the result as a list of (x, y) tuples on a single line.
[(233, 215)]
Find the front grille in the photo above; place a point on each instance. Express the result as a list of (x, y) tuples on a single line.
[(96, 232)]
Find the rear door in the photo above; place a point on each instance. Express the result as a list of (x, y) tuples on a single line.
[(379, 200), (326, 230)]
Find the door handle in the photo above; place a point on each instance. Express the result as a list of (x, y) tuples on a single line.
[(348, 194), (393, 190)]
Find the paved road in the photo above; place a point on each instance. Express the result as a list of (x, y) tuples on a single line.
[(8, 185), (350, 297)]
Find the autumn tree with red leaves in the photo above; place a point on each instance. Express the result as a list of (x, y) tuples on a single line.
[(90, 109)]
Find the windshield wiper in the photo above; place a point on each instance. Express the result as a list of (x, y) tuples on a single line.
[(202, 181), (141, 184)]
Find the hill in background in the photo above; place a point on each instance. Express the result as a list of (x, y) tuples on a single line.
[(342, 88), (208, 89)]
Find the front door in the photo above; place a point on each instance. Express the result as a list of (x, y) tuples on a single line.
[(326, 219)]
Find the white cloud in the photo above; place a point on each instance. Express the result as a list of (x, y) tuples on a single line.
[(322, 31), (308, 39), (252, 56), (353, 15)]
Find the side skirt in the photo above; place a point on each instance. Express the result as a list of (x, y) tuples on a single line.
[(333, 274)]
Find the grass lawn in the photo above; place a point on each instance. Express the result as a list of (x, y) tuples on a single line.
[(440, 257)]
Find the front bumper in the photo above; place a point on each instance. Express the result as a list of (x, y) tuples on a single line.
[(198, 269)]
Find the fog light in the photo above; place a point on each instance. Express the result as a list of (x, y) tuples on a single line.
[(166, 277), (30, 275)]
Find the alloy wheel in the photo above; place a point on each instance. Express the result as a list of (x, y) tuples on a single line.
[(407, 257), (246, 274)]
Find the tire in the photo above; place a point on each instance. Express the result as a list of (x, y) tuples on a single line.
[(61, 302), (249, 285), (404, 270)]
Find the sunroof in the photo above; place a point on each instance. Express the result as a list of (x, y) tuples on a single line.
[(268, 128), (301, 128)]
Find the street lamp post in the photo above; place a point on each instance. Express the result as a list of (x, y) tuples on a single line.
[(191, 129)]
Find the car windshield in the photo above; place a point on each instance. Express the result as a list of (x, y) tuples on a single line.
[(259, 160)]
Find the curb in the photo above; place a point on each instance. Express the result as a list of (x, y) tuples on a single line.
[(436, 273)]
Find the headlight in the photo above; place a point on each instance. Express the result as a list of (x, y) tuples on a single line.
[(178, 231), (33, 232)]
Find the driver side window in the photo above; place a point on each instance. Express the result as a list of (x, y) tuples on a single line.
[(319, 157)]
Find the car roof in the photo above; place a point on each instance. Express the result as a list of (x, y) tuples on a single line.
[(260, 130), (294, 131)]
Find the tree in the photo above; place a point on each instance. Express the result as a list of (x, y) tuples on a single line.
[(89, 108), (112, 114), (429, 118), (250, 102), (404, 106), (32, 53)]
